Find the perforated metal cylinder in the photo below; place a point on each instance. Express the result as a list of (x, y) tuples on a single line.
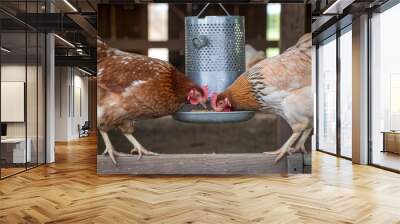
[(215, 50)]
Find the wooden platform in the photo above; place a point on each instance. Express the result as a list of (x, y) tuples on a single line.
[(70, 191), (201, 164)]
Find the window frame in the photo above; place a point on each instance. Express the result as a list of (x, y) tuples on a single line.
[(335, 36), (378, 10), (27, 29)]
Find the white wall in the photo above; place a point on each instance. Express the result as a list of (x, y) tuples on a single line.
[(71, 94), (80, 110), (16, 73), (33, 126), (61, 103)]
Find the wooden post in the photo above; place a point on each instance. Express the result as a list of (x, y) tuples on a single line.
[(293, 20), (92, 101), (113, 19), (292, 28)]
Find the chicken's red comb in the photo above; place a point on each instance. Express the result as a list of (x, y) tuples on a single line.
[(214, 97)]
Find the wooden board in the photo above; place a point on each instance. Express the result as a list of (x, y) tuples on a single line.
[(199, 164)]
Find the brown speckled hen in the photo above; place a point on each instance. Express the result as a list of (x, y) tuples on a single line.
[(281, 85), (132, 87)]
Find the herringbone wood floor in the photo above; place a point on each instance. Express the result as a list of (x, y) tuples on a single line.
[(69, 191)]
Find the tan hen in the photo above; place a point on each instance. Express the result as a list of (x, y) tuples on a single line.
[(280, 85)]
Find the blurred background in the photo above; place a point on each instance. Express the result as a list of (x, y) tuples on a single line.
[(157, 29)]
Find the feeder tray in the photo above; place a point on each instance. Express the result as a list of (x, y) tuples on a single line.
[(214, 117), (197, 114)]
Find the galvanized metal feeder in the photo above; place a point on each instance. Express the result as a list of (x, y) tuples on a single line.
[(215, 56)]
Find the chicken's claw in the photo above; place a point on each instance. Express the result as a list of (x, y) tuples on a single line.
[(280, 152), (279, 157), (273, 152), (142, 151), (300, 149), (111, 153)]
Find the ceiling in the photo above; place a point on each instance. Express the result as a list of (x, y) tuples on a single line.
[(74, 21)]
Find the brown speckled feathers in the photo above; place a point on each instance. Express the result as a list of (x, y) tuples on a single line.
[(133, 86), (241, 95)]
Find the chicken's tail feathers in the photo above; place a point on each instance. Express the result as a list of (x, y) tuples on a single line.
[(304, 44), (305, 41), (102, 48), (253, 56)]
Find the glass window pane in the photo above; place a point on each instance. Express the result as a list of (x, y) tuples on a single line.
[(41, 98), (271, 52), (385, 116), (159, 53), (273, 21), (394, 101), (346, 94), (327, 97), (31, 98), (158, 22), (13, 86)]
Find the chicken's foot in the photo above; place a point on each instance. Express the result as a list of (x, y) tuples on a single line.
[(300, 145), (142, 151), (115, 153), (285, 148), (105, 151), (110, 149), (137, 147)]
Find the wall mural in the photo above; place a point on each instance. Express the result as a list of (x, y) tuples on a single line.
[(211, 103)]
